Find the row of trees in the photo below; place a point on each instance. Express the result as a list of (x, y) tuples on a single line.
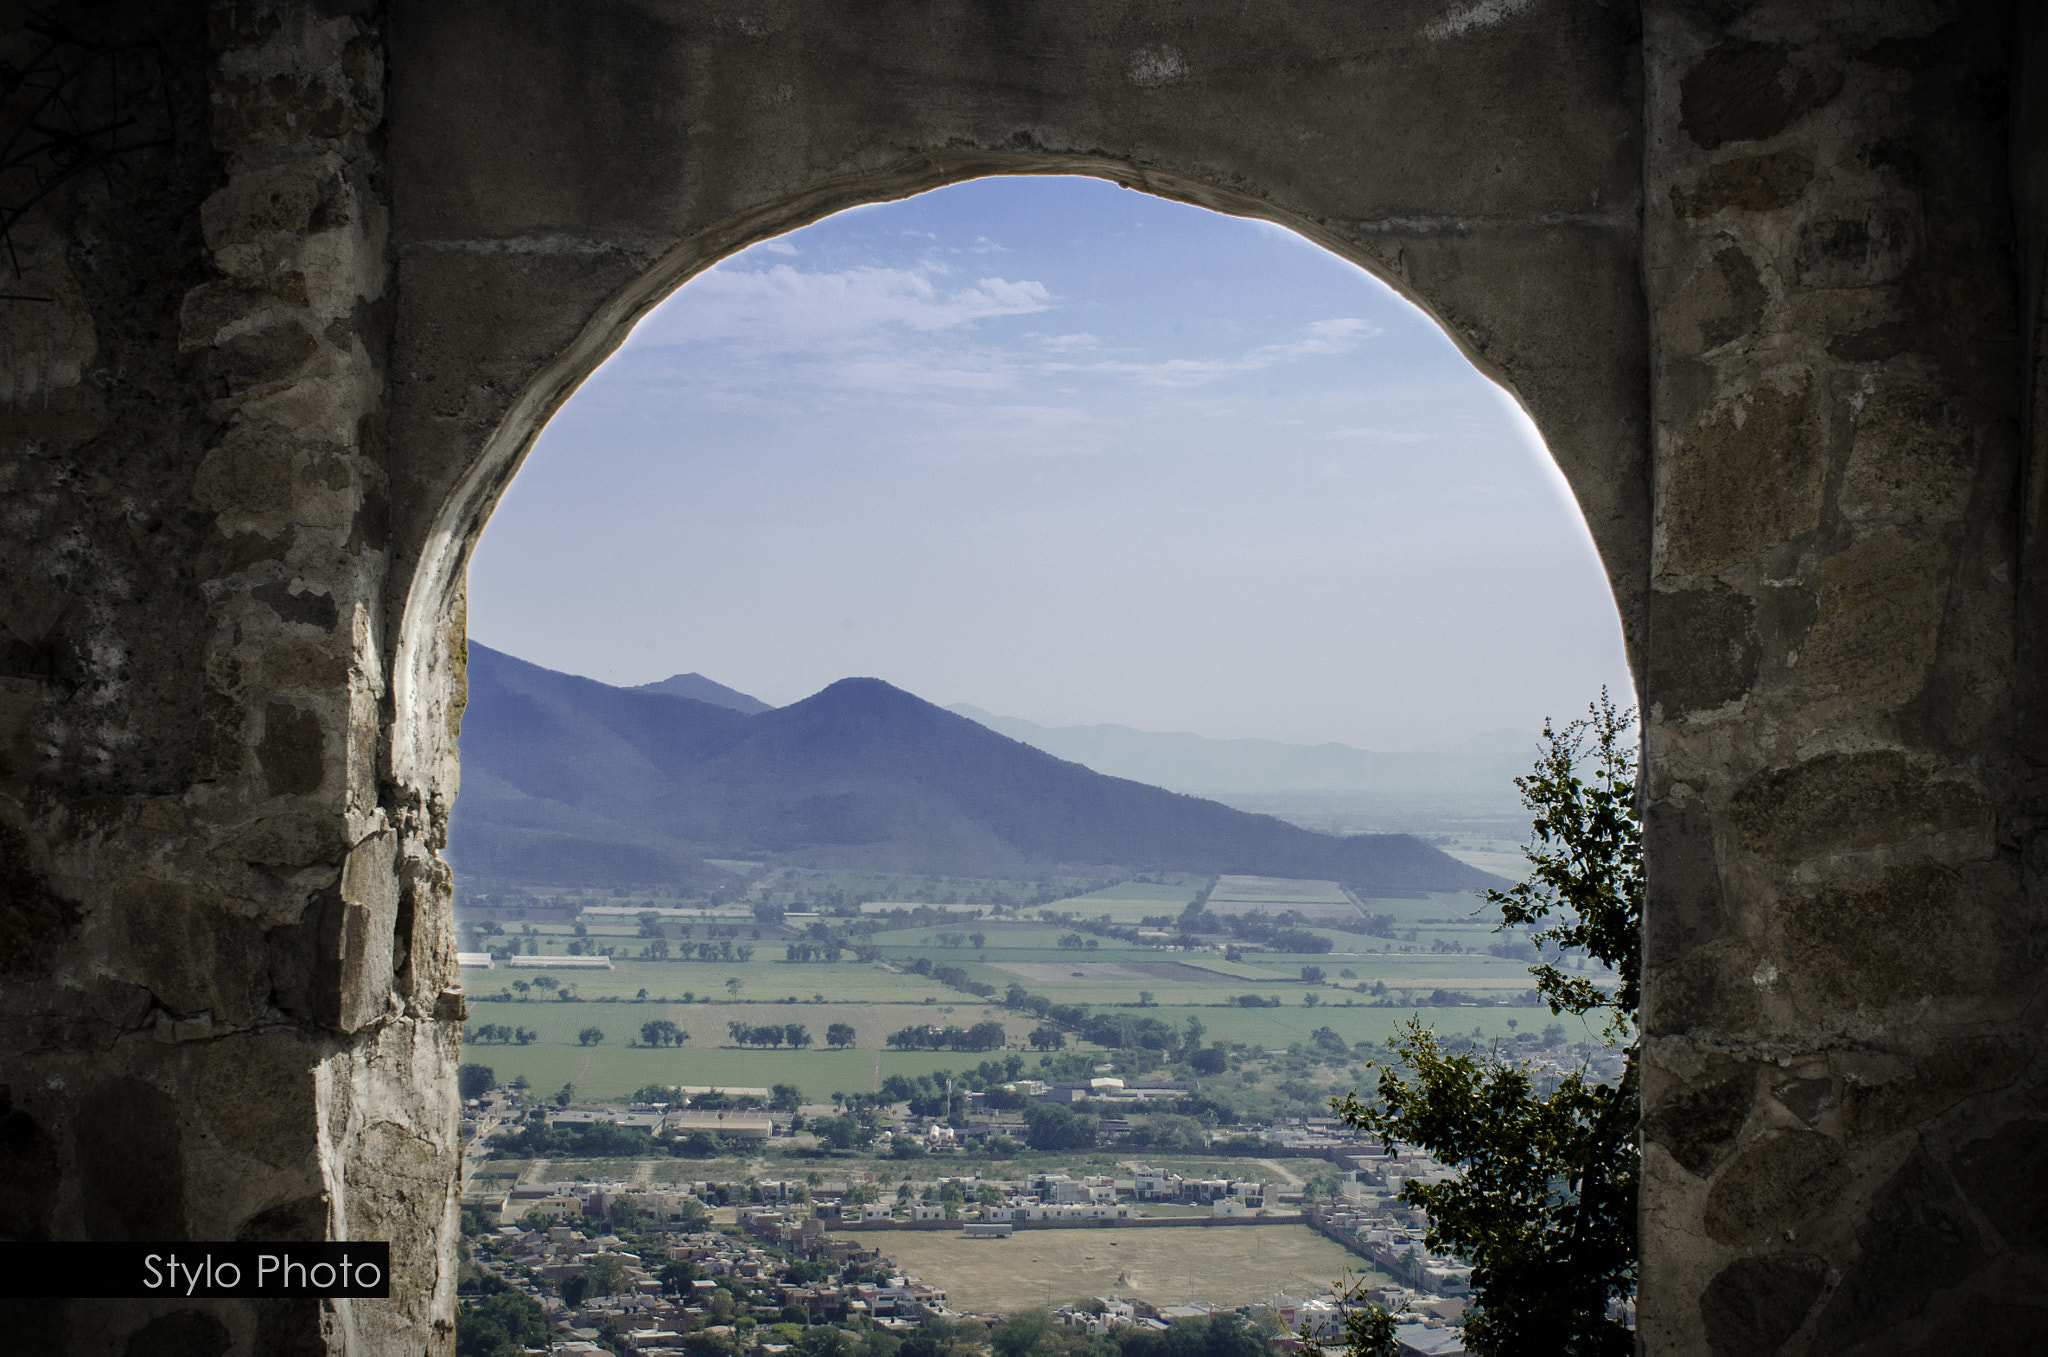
[(983, 1036), (500, 1033), (771, 1034)]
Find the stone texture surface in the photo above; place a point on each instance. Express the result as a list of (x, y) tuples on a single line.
[(1767, 275)]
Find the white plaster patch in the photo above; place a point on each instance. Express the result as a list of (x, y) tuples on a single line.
[(1479, 14), (1152, 67)]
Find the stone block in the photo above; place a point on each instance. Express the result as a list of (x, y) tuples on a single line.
[(1838, 803), (1884, 1097), (1911, 461), (190, 949), (1722, 302), (1698, 1125), (1916, 1239), (1704, 649), (1754, 1305), (1776, 1184), (369, 900), (1682, 906), (294, 750), (1878, 625), (1909, 936), (1750, 91), (1757, 183), (1746, 478), (1709, 989)]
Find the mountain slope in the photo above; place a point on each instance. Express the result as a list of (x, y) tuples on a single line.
[(1483, 766), (701, 689), (861, 774)]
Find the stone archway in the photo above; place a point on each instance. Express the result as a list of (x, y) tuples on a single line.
[(1749, 272)]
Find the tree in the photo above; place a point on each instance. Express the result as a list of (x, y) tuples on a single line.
[(1053, 1127), (1545, 1204), (796, 1034), (785, 1097), (1313, 975), (662, 1032), (502, 1324), (839, 1035), (607, 1274), (474, 1081), (590, 1036), (1048, 1038)]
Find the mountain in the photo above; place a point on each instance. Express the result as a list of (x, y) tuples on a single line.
[(564, 777), (701, 689), (1482, 767)]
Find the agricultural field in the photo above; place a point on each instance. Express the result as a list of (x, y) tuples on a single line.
[(1369, 986), (612, 1068), (1234, 1265), (760, 980)]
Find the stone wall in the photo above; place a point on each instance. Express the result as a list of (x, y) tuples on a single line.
[(218, 1022), (1766, 275), (1842, 1091)]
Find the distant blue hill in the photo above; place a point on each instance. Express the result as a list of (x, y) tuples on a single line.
[(700, 689), (568, 781), (1482, 768)]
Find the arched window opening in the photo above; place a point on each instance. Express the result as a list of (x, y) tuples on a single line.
[(774, 627)]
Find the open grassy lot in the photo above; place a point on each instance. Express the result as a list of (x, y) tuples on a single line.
[(1226, 1266), (847, 981), (612, 1068), (1127, 902)]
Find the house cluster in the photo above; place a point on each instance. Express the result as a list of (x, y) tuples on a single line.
[(653, 1314), (728, 1124), (1223, 1196), (1427, 1325), (1388, 1231)]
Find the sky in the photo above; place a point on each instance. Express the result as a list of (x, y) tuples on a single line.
[(1067, 452)]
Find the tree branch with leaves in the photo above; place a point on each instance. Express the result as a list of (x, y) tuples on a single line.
[(1544, 1206)]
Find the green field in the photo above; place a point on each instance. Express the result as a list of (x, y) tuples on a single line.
[(882, 997), (1235, 1265)]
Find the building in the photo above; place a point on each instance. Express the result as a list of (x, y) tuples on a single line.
[(560, 963), (725, 1125)]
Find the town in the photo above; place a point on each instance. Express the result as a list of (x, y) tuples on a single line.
[(830, 1263)]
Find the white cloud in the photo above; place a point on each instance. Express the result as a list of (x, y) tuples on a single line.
[(1379, 437), (781, 309), (780, 247), (1080, 341), (1320, 338)]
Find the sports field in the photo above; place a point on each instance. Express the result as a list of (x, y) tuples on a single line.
[(1233, 1265)]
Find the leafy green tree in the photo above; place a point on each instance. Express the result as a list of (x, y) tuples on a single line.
[(839, 1034), (590, 1036), (1545, 1204), (503, 1324), (1053, 1127), (474, 1081), (607, 1274)]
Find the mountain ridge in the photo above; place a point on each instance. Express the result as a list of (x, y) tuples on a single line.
[(860, 774), (698, 688)]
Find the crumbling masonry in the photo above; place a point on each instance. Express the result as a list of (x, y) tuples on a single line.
[(292, 284)]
